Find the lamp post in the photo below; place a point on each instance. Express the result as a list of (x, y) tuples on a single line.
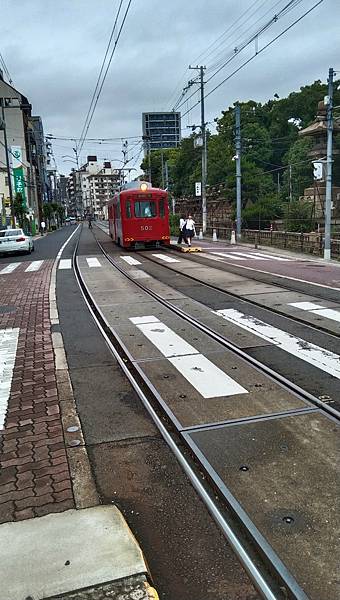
[(9, 176)]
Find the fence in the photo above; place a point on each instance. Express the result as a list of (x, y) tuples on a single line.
[(309, 243)]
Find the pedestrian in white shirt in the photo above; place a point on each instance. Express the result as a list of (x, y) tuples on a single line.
[(190, 231), (181, 230)]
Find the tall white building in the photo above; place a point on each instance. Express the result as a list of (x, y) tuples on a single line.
[(91, 186)]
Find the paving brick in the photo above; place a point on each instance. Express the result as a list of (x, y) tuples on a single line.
[(62, 485), (26, 513), (6, 512), (33, 501), (54, 508), (9, 487), (7, 475), (16, 495), (24, 480), (34, 466), (62, 476)]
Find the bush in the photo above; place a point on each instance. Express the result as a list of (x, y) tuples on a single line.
[(298, 217), (174, 224)]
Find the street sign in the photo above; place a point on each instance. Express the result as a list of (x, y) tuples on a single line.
[(198, 141), (318, 170), (198, 188)]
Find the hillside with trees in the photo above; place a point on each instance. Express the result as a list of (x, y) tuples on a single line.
[(275, 164)]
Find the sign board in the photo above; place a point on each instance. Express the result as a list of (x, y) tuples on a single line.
[(318, 170), (18, 172), (198, 142), (198, 188)]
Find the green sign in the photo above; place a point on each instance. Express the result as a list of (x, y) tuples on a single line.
[(19, 182)]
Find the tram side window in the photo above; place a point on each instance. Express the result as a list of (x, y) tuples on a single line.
[(145, 209), (128, 209), (161, 208)]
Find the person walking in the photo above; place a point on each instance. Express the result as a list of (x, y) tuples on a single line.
[(190, 230), (90, 221), (181, 236)]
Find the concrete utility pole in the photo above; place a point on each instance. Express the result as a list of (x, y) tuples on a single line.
[(238, 171), (9, 176), (328, 204), (204, 151)]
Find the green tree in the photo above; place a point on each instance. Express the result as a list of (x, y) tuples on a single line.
[(301, 171), (261, 214), (298, 217), (48, 213), (19, 207)]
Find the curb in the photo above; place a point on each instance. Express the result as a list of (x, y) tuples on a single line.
[(84, 489)]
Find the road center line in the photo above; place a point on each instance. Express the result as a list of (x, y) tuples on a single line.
[(8, 350), (202, 374), (315, 355)]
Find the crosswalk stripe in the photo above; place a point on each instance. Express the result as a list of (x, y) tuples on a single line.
[(34, 266), (271, 256), (130, 260), (10, 268), (202, 374), (317, 309), (252, 256), (93, 262), (225, 255), (65, 263), (166, 258), (8, 350), (315, 355)]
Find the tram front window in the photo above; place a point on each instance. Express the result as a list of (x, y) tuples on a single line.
[(145, 209)]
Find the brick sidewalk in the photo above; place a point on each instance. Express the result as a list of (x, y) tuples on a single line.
[(34, 473)]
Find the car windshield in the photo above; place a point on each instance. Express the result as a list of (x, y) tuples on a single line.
[(145, 209), (11, 232)]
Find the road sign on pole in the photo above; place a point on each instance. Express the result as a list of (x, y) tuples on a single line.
[(198, 188)]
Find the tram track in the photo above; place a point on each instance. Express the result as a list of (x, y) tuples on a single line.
[(287, 586)]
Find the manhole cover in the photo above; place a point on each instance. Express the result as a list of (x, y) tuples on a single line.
[(7, 309)]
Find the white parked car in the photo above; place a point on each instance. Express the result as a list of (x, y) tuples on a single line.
[(15, 240)]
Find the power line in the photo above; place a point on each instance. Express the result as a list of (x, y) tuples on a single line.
[(101, 69), (81, 143), (288, 7), (2, 61), (259, 52)]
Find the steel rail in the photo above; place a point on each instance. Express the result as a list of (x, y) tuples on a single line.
[(258, 579), (292, 387), (249, 300)]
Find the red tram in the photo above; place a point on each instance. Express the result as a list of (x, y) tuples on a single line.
[(139, 216)]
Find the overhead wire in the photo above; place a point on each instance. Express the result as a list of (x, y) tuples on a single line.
[(2, 61), (259, 52), (81, 143)]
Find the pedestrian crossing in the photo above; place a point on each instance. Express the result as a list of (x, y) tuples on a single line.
[(241, 256), (32, 266)]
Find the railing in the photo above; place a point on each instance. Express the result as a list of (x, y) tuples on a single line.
[(308, 243)]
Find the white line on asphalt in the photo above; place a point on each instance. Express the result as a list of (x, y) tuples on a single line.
[(138, 274), (10, 268), (67, 241), (316, 309), (202, 374), (8, 350), (166, 258), (249, 256), (65, 263), (34, 266), (93, 262), (272, 256), (225, 255), (130, 260), (305, 305), (211, 256), (315, 355)]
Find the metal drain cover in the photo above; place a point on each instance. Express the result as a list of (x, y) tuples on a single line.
[(7, 309)]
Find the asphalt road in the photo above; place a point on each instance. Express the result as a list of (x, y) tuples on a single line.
[(45, 247)]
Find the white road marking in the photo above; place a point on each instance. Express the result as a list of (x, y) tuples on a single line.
[(271, 256), (93, 262), (252, 256), (8, 350), (138, 274), (10, 268), (305, 305), (65, 263), (34, 266), (225, 255), (202, 374), (130, 260), (166, 258), (211, 256), (315, 355), (316, 309), (146, 319)]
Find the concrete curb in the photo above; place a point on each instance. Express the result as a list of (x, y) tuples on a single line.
[(83, 485)]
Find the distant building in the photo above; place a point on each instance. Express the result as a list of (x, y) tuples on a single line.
[(90, 187), (161, 130)]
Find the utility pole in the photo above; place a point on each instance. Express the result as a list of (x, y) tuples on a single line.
[(328, 204), (238, 171), (125, 146), (9, 176), (290, 184), (204, 150)]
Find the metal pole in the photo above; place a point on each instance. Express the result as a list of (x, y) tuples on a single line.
[(238, 171), (290, 184), (328, 206), (204, 155), (10, 188), (149, 160), (166, 175), (162, 160)]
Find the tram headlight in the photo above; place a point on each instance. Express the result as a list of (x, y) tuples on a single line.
[(143, 187)]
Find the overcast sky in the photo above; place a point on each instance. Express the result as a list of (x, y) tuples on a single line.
[(54, 49)]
